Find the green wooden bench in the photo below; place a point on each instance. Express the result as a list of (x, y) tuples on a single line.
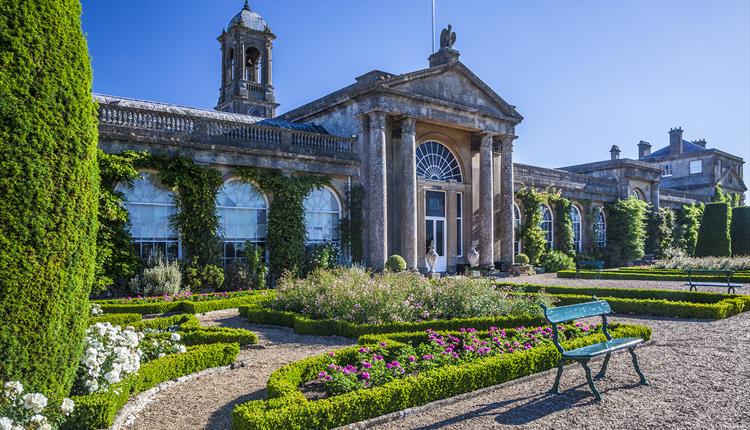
[(597, 265), (583, 355), (727, 274)]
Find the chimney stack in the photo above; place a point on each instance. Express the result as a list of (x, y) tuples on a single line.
[(675, 141), (615, 152), (700, 142), (644, 149)]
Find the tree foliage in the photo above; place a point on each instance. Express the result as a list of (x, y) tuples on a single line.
[(713, 235), (48, 192), (687, 223), (740, 231), (626, 231), (659, 235), (532, 235), (564, 239)]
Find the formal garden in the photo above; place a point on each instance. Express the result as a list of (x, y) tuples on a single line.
[(92, 335)]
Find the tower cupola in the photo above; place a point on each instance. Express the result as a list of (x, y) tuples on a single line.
[(246, 66)]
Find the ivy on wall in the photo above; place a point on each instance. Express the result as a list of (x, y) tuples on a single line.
[(532, 235), (564, 240), (353, 225), (116, 260), (626, 231), (660, 231), (286, 214)]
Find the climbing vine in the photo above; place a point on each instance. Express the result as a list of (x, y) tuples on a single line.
[(353, 225), (532, 235), (626, 231), (563, 223), (286, 215)]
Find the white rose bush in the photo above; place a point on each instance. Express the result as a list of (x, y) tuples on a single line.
[(30, 411)]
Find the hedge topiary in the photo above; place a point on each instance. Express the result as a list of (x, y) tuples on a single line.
[(522, 259), (564, 239), (531, 234), (48, 189), (395, 263), (659, 235), (626, 231), (713, 236), (687, 223), (740, 231), (554, 261)]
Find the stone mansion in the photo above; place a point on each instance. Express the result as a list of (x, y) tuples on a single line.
[(432, 148)]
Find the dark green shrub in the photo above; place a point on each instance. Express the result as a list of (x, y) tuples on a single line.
[(321, 256), (554, 261), (626, 231), (563, 224), (395, 263), (522, 259), (660, 228), (740, 231), (48, 192), (531, 235), (713, 236), (207, 277), (687, 223), (116, 319)]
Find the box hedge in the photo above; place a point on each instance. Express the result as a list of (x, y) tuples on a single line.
[(303, 325), (713, 235), (650, 276), (48, 192), (287, 408), (740, 231), (95, 411), (116, 319), (183, 306)]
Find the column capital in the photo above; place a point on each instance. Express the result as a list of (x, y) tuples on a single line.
[(408, 125), (377, 119), (487, 139), (507, 142)]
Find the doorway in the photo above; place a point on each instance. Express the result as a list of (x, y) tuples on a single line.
[(435, 227)]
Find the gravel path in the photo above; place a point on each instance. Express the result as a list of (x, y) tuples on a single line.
[(207, 401), (699, 373), (552, 279)]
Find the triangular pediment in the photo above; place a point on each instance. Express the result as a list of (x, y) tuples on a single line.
[(454, 84), (732, 180)]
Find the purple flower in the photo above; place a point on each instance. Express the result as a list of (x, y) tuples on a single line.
[(322, 374), (427, 357), (364, 350), (331, 354), (365, 375), (366, 365), (383, 344)]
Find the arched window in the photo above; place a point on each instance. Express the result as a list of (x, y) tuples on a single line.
[(435, 162), (252, 64), (242, 214), (150, 207), (575, 218), (322, 215), (600, 227), (638, 194), (230, 65), (546, 225), (516, 229)]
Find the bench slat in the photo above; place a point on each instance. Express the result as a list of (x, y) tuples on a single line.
[(715, 284), (580, 310), (602, 348)]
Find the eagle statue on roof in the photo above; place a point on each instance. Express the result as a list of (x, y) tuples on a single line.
[(447, 37)]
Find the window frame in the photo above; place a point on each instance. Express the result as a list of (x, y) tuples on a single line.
[(549, 237), (339, 213), (698, 163), (238, 244), (577, 244)]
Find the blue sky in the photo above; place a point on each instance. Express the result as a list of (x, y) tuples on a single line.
[(585, 74)]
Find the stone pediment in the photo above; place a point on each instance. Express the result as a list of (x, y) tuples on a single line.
[(454, 84), (732, 180)]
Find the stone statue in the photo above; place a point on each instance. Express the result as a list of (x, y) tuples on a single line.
[(447, 37), (431, 257), (473, 254)]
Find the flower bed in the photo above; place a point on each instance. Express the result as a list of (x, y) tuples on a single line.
[(185, 303), (649, 275), (287, 406), (667, 303), (737, 264)]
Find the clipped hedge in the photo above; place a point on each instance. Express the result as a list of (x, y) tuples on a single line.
[(740, 231), (713, 235), (287, 408), (193, 333), (303, 325), (183, 306), (116, 319), (48, 192), (95, 411), (650, 276)]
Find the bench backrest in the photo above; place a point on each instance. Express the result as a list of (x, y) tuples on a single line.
[(579, 310), (591, 264), (710, 272)]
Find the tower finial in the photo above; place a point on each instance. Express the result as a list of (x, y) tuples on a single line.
[(247, 5)]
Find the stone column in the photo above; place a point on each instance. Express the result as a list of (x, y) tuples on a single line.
[(506, 199), (409, 196), (486, 205), (268, 70), (378, 191), (655, 196)]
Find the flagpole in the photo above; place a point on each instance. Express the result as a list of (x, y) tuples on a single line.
[(433, 26)]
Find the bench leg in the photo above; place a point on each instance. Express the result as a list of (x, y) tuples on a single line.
[(602, 373), (556, 387), (693, 287), (731, 290), (637, 367), (585, 365)]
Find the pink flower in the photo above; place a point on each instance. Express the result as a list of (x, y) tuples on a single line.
[(366, 365), (411, 358), (427, 357), (365, 375)]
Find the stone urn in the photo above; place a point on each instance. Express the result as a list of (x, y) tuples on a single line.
[(473, 258), (431, 258)]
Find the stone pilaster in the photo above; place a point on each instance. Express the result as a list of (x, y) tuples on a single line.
[(655, 196), (486, 205), (409, 195), (378, 191), (506, 199)]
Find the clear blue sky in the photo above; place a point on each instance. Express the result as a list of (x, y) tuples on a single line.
[(584, 74)]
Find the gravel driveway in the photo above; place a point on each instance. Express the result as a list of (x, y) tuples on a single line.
[(552, 279), (206, 402), (699, 373)]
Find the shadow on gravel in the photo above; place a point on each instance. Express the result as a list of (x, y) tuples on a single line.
[(221, 419)]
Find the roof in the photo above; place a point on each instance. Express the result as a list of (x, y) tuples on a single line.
[(687, 147), (291, 125), (249, 19)]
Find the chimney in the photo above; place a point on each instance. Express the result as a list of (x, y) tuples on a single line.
[(675, 141), (644, 149), (615, 152), (700, 142)]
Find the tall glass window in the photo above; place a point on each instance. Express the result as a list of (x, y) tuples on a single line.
[(459, 225), (322, 216), (546, 225), (601, 229), (150, 207), (516, 229), (242, 213), (575, 217)]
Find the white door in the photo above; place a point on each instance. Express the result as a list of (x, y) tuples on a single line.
[(435, 227)]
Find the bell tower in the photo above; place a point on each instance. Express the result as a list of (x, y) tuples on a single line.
[(246, 71)]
